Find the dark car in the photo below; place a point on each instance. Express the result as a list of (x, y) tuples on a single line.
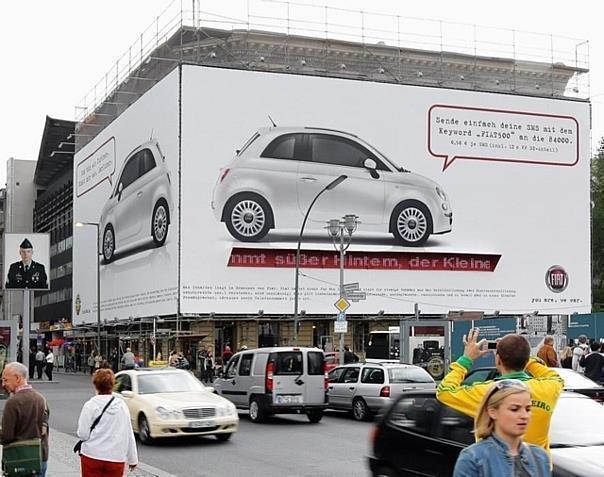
[(573, 381), (420, 436)]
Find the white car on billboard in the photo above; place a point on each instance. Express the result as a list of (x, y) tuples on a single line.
[(138, 210), (274, 177)]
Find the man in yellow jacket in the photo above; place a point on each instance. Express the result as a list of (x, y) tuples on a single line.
[(513, 362)]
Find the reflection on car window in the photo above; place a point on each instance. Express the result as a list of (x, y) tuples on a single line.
[(147, 161), (372, 376), (130, 172), (123, 383), (232, 367), (335, 375), (351, 375), (315, 363), (245, 368), (455, 426), (167, 383), (416, 414), (477, 376), (288, 363), (409, 375), (338, 150), (288, 146)]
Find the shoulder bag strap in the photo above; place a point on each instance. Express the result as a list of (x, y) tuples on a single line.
[(96, 421)]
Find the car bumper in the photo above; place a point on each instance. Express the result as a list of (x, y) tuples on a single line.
[(375, 404), (185, 427)]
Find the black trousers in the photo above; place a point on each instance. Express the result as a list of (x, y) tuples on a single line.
[(39, 368), (48, 370)]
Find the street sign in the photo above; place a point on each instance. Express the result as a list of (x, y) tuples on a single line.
[(356, 296), (341, 327), (342, 304), (348, 287), (341, 316)]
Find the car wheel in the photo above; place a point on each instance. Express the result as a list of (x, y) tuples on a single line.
[(360, 411), (248, 217), (385, 472), (159, 222), (108, 243), (411, 223), (144, 433), (314, 416), (257, 414), (224, 437)]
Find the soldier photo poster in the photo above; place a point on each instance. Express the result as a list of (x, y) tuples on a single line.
[(26, 261)]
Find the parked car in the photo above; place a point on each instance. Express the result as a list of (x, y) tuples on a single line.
[(332, 360), (273, 178), (420, 436), (573, 381), (366, 388), (169, 402), (282, 380), (139, 208)]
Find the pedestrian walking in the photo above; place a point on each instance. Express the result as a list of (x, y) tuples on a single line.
[(32, 362), (566, 357), (501, 421), (548, 354), (226, 354), (25, 413), (512, 361), (90, 362), (115, 362), (40, 362), (128, 359), (50, 363), (579, 351), (593, 362), (104, 428)]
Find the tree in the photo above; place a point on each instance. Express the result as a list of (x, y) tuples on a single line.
[(597, 227)]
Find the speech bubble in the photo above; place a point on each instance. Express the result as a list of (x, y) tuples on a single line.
[(96, 168), (460, 132)]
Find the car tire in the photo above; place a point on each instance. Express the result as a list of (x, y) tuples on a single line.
[(108, 243), (257, 414), (160, 221), (144, 432), (360, 410), (224, 437), (385, 472), (248, 217), (411, 223), (315, 416)]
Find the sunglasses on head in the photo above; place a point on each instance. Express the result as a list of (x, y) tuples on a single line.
[(507, 383)]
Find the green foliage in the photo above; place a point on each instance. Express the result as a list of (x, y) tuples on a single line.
[(597, 225)]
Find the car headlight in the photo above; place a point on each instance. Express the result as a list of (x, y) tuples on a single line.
[(441, 193), (165, 412), (226, 410)]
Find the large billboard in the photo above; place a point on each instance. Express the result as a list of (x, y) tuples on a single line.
[(466, 200), (125, 195)]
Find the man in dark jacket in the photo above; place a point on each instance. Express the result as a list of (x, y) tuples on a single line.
[(593, 362), (25, 413)]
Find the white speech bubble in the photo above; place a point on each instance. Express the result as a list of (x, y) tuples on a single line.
[(459, 132), (95, 168)]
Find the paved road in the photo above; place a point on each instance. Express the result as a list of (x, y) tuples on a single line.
[(285, 446)]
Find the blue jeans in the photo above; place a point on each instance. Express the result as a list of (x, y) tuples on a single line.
[(42, 472)]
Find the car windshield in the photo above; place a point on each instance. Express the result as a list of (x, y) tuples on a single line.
[(409, 375), (168, 383), (574, 380), (577, 421)]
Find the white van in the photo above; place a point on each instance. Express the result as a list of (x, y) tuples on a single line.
[(282, 380)]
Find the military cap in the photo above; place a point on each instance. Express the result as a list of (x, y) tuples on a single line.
[(26, 244)]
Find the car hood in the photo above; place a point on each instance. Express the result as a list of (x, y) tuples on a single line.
[(184, 399), (579, 460), (412, 178)]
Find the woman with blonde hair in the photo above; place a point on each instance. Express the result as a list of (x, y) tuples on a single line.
[(566, 357), (502, 419)]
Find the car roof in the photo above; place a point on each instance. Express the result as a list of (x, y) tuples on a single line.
[(277, 349), (278, 130), (382, 365)]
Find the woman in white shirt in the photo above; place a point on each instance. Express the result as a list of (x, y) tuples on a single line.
[(110, 446)]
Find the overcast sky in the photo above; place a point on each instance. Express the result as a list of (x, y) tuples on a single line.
[(55, 51)]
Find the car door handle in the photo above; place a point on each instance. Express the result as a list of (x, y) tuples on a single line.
[(233, 382), (330, 387), (308, 179), (139, 193), (351, 388)]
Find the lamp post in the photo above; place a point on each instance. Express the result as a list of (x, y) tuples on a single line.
[(342, 229), (332, 185), (98, 281)]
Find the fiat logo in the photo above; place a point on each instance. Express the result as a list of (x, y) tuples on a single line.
[(556, 279)]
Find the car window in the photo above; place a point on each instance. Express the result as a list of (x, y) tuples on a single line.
[(372, 376), (288, 362), (315, 363), (455, 426), (287, 146), (329, 149), (131, 171), (477, 376), (232, 367), (168, 383), (335, 375), (416, 414), (409, 375), (260, 364), (351, 375), (123, 382), (147, 161), (245, 368)]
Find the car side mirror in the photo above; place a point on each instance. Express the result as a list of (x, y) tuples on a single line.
[(371, 166), (127, 394)]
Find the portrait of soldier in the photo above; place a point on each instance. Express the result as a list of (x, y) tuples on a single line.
[(26, 273)]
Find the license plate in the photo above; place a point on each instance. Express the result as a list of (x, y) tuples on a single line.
[(201, 424), (288, 399)]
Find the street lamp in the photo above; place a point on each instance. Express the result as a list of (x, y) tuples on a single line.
[(332, 185), (342, 229), (98, 281)]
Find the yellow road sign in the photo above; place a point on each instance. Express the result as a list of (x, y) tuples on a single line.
[(342, 304)]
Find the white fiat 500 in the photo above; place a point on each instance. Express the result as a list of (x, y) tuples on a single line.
[(138, 210), (168, 402), (275, 176)]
